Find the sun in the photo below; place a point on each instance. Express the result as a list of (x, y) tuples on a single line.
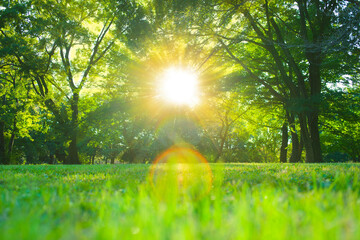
[(179, 86)]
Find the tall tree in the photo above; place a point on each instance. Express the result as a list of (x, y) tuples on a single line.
[(65, 42), (282, 46)]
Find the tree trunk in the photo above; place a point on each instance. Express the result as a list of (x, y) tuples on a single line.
[(315, 136), (73, 157), (52, 159), (11, 143), (295, 144), (61, 156), (315, 84), (223, 136), (284, 143), (112, 160), (73, 149), (3, 159), (306, 139)]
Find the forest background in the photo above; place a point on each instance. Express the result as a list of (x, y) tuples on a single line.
[(279, 80)]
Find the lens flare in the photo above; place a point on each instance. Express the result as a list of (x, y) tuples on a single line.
[(181, 171)]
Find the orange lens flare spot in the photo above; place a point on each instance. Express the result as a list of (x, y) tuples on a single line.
[(181, 171)]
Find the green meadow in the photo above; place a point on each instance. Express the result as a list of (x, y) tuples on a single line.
[(244, 201)]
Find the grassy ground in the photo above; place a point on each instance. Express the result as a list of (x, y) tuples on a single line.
[(246, 201)]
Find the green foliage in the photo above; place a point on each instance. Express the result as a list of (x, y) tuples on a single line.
[(341, 125), (77, 77)]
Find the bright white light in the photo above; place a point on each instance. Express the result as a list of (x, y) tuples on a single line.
[(179, 86)]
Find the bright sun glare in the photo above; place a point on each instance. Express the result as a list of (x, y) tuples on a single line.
[(179, 86)]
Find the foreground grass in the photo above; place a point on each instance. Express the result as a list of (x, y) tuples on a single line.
[(246, 201)]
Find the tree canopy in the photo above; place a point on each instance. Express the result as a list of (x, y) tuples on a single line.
[(276, 80)]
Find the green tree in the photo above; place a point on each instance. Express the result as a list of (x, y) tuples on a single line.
[(293, 41), (63, 50), (17, 114), (341, 125)]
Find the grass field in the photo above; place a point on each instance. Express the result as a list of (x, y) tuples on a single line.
[(246, 201)]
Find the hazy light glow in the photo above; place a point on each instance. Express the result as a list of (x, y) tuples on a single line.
[(179, 86), (180, 171)]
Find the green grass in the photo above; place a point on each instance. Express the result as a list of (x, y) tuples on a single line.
[(246, 201)]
